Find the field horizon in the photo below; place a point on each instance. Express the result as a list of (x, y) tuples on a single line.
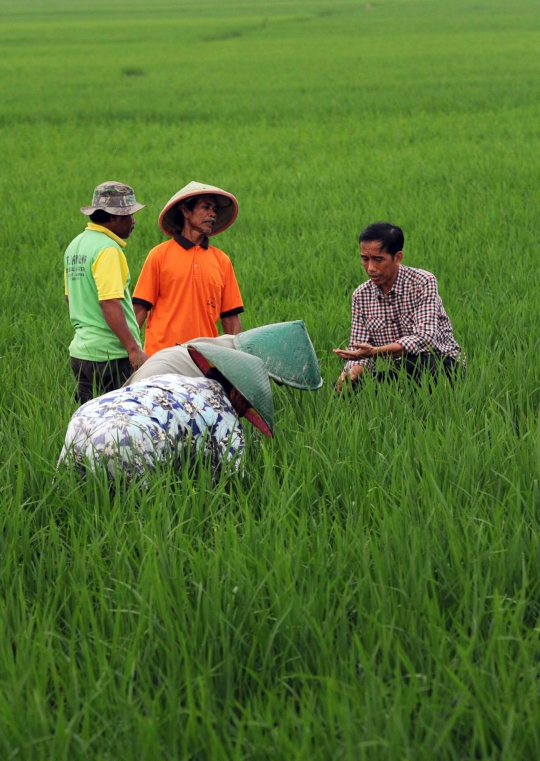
[(370, 588)]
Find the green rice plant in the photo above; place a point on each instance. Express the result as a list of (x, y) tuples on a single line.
[(369, 589)]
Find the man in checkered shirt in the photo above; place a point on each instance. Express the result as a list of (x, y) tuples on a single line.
[(398, 314)]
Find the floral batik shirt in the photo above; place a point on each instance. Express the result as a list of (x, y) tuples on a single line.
[(159, 420)]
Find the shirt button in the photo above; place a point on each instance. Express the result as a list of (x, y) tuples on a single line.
[(196, 265)]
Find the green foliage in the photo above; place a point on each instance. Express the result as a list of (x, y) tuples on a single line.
[(370, 589)]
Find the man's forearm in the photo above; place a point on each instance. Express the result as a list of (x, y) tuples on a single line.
[(231, 325), (140, 314), (364, 351), (113, 312), (393, 350)]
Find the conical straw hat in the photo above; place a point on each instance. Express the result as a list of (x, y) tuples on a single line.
[(171, 219), (286, 350), (246, 373)]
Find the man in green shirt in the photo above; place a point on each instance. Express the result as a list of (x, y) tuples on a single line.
[(107, 345)]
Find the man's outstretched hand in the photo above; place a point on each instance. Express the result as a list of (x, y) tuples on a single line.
[(360, 351)]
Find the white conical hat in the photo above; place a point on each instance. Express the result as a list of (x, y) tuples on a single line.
[(171, 219)]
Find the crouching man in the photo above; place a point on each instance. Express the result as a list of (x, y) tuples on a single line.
[(397, 314), (160, 421)]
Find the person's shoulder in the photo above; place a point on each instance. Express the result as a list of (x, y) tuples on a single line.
[(88, 235), (422, 277), (218, 253), (101, 242), (363, 289), (214, 393), (89, 241), (77, 239), (162, 248), (101, 237), (169, 351), (184, 385), (210, 387)]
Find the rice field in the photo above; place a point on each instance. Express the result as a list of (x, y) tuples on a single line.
[(370, 588)]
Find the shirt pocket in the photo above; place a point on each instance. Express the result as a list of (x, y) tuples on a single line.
[(213, 300), (378, 329), (405, 324)]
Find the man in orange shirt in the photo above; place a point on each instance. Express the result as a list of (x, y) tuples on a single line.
[(186, 285)]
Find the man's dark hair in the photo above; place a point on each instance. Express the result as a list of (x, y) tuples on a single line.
[(176, 216), (99, 216), (390, 236), (191, 202)]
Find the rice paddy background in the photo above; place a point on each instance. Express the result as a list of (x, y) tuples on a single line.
[(370, 589)]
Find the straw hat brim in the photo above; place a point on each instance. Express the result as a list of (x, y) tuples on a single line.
[(226, 215)]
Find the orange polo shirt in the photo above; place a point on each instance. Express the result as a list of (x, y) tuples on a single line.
[(187, 289)]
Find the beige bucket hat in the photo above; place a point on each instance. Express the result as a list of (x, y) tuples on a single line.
[(171, 219), (114, 198)]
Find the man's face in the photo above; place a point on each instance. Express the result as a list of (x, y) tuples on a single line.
[(204, 214), (123, 225), (381, 267)]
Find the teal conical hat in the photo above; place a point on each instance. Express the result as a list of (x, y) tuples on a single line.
[(246, 373), (287, 352)]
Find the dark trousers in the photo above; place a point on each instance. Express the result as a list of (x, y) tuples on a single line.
[(96, 378), (415, 366)]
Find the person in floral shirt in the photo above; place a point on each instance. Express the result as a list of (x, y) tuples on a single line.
[(168, 420)]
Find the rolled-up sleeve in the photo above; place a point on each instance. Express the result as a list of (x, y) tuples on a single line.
[(425, 319)]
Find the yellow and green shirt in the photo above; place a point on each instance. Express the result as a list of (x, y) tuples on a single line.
[(95, 269)]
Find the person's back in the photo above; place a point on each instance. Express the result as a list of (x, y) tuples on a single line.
[(164, 419), (106, 347), (160, 420), (177, 360), (93, 339)]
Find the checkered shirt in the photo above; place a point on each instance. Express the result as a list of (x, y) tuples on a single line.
[(412, 313)]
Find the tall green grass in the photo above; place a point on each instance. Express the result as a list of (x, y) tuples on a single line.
[(369, 589)]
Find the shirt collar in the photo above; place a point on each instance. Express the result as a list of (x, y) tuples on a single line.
[(399, 285), (99, 229), (187, 244), (398, 288)]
